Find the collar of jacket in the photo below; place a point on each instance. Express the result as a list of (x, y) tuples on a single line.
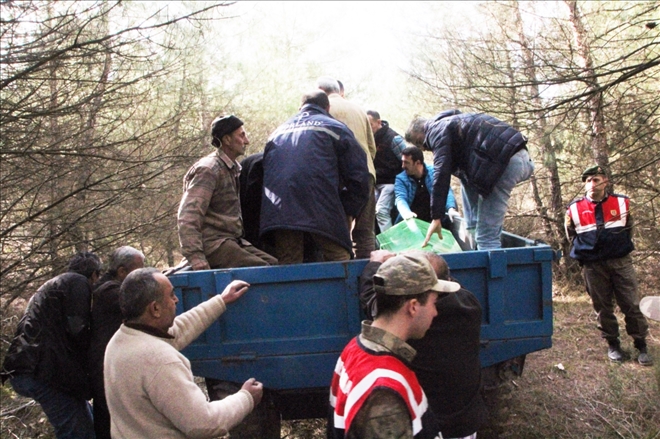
[(382, 132), (149, 330), (227, 161), (315, 108), (380, 340), (599, 201), (442, 115)]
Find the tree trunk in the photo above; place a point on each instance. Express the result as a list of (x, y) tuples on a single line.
[(595, 102), (552, 223)]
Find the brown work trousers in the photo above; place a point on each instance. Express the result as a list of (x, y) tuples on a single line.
[(232, 253), (364, 235)]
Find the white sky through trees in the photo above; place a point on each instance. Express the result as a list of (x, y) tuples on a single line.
[(361, 43)]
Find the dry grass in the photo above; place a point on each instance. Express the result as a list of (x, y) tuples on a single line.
[(586, 397), (304, 429), (22, 418)]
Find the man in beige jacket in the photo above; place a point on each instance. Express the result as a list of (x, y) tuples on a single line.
[(355, 118), (150, 389)]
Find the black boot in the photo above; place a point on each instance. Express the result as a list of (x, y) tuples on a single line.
[(614, 352), (643, 358)]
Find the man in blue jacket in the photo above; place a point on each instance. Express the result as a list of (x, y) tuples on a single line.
[(413, 189), (489, 157), (316, 181)]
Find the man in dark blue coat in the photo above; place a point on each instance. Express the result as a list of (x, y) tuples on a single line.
[(489, 157), (316, 181)]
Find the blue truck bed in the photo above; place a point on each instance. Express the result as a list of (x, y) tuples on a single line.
[(290, 327)]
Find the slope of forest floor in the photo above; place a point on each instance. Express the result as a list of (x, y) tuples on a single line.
[(573, 391), (569, 391)]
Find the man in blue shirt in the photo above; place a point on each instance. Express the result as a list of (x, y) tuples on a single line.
[(413, 189)]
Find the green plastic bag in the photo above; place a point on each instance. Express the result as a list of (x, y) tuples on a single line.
[(410, 234)]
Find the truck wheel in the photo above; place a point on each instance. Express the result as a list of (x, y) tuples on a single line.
[(263, 423), (497, 393)]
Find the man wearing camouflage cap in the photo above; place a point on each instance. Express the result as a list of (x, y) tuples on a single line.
[(599, 227), (210, 221), (447, 363), (374, 392)]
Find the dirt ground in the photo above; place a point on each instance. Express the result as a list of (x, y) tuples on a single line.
[(573, 391)]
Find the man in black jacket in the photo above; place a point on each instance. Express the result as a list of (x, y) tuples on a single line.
[(47, 360), (106, 319), (251, 181), (387, 162), (489, 157)]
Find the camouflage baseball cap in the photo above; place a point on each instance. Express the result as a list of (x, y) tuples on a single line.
[(407, 275)]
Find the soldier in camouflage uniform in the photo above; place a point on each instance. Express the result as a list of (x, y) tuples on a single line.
[(447, 363), (374, 392), (210, 222)]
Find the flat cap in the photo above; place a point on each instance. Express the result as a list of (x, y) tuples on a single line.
[(593, 170), (408, 275), (224, 125)]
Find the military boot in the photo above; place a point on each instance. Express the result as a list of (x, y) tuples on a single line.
[(643, 358), (614, 352)]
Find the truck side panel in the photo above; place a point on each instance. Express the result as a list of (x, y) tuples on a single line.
[(293, 323), (293, 318)]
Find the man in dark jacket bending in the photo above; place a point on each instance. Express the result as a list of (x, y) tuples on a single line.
[(389, 146), (316, 181), (489, 157), (47, 359)]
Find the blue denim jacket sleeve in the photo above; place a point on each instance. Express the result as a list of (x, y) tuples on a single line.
[(451, 200), (402, 195)]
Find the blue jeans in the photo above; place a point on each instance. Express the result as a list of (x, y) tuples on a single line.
[(384, 205), (486, 214), (71, 417)]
